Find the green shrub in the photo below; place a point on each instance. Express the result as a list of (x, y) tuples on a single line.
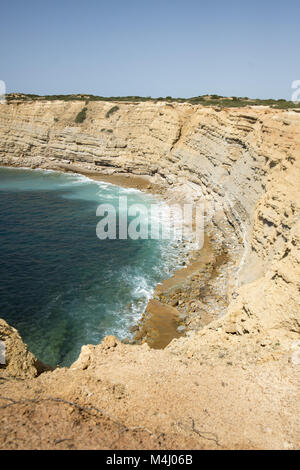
[(81, 116), (204, 100), (111, 111)]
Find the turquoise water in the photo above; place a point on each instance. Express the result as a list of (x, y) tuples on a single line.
[(61, 286)]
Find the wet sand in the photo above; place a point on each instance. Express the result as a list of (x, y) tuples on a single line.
[(125, 180), (158, 325), (166, 314), (182, 276)]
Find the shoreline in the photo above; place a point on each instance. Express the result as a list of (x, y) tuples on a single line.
[(165, 316)]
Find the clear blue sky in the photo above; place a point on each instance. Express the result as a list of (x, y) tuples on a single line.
[(151, 47)]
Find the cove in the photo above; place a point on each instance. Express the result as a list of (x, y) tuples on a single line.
[(61, 286)]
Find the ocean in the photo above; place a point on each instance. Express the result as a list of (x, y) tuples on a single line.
[(60, 285)]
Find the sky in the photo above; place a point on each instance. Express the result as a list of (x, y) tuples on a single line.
[(150, 48)]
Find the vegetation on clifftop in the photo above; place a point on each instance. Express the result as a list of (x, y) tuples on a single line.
[(204, 100)]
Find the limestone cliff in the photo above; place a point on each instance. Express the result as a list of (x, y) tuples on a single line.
[(244, 160), (231, 384), (17, 361)]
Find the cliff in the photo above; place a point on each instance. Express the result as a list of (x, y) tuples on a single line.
[(244, 163)]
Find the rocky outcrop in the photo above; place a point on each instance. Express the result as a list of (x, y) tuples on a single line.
[(17, 361)]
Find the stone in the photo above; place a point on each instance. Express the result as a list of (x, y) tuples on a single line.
[(181, 328), (17, 361), (109, 342)]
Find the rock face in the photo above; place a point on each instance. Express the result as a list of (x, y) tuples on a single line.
[(18, 361), (245, 162), (233, 383)]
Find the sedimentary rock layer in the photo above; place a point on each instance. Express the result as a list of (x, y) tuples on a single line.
[(244, 162)]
